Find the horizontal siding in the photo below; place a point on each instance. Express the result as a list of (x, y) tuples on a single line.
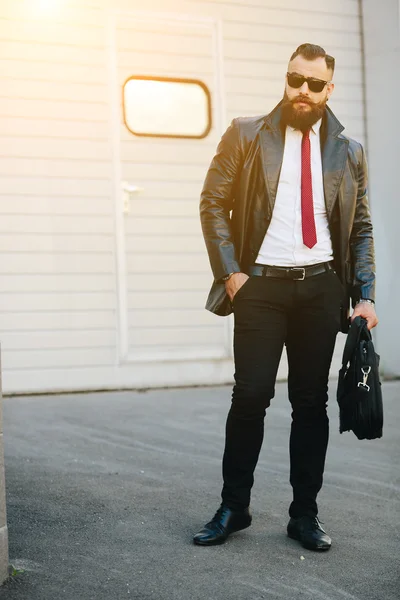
[(60, 321), (54, 90), (40, 147), (164, 172), (303, 18), (65, 358), (45, 70), (187, 66), (48, 282), (168, 190), (51, 110), (52, 168), (46, 186), (164, 282), (58, 300), (55, 225), (189, 145), (68, 128), (184, 153), (165, 44), (58, 282), (39, 283), (57, 33), (168, 319), (55, 301), (63, 262), (170, 208), (163, 226), (48, 340), (52, 340), (179, 337), (168, 263), (83, 206), (274, 34), (68, 12), (63, 55), (170, 300), (165, 244), (39, 244)]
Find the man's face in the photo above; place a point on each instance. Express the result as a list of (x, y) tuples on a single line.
[(303, 107)]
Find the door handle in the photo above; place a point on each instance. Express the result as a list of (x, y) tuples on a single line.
[(128, 189)]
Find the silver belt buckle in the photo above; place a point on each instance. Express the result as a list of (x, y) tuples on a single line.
[(303, 273)]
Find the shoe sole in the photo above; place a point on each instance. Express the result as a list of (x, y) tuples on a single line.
[(293, 536), (220, 540)]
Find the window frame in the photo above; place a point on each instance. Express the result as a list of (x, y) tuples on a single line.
[(170, 80)]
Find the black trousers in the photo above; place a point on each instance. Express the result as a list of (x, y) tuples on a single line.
[(269, 313)]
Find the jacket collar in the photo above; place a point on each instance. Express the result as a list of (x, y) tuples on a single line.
[(334, 154), (334, 157), (330, 123)]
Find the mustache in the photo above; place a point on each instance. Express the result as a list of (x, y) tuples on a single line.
[(302, 99)]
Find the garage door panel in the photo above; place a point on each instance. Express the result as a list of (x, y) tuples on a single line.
[(172, 318), (162, 263), (65, 358), (167, 226), (61, 321), (189, 66), (165, 244), (168, 300)]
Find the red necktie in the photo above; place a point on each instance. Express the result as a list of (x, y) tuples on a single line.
[(307, 206)]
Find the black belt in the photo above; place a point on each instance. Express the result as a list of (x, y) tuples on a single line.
[(293, 273)]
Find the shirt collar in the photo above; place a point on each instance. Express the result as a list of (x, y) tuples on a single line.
[(315, 128)]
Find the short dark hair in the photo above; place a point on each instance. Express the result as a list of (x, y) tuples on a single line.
[(311, 52)]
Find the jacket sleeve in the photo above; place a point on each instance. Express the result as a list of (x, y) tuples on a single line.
[(361, 241), (217, 202)]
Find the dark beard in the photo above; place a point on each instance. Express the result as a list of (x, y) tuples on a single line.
[(299, 119)]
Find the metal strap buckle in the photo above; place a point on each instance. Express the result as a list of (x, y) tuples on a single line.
[(365, 371), (303, 273)]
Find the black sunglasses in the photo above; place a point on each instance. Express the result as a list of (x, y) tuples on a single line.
[(314, 85)]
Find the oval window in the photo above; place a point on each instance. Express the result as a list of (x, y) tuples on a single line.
[(165, 107)]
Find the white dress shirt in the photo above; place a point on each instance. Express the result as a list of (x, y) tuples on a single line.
[(283, 243)]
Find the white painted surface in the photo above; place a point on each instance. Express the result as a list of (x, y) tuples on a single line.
[(85, 292), (382, 55)]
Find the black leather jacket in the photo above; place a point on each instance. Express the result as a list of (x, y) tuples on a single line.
[(239, 194)]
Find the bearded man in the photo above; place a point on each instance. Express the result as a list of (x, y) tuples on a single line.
[(286, 222)]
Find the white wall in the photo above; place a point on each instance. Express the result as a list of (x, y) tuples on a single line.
[(382, 67), (58, 300)]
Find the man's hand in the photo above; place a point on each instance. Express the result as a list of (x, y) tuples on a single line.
[(367, 311), (234, 284)]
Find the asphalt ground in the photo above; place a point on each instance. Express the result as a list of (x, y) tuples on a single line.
[(104, 493)]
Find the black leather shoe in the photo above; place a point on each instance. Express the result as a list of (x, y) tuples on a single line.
[(309, 532), (224, 522)]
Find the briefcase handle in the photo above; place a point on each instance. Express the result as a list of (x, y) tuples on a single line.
[(358, 329)]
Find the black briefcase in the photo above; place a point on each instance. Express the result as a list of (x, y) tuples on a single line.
[(359, 393)]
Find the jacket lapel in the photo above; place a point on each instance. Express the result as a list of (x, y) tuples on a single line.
[(272, 145), (334, 157)]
